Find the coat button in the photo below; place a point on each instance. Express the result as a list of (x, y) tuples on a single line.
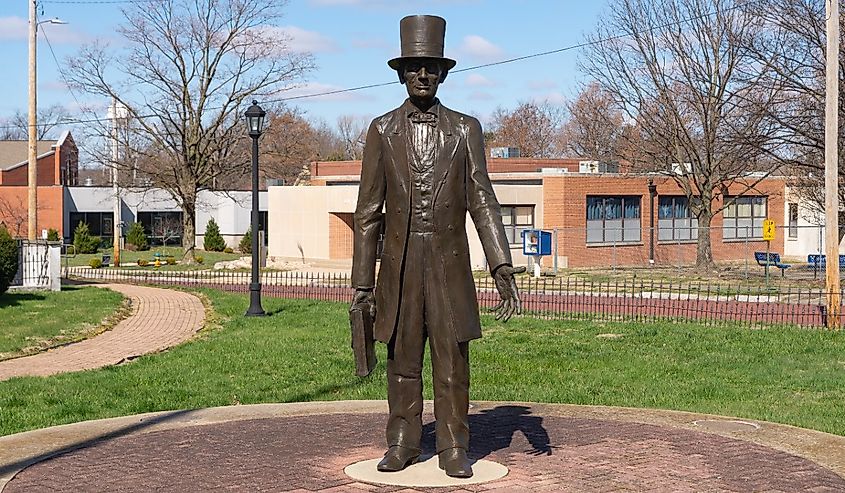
[(447, 205), (396, 235), (455, 253), (399, 211), (451, 228)]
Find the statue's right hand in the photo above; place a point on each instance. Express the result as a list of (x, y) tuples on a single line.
[(365, 297)]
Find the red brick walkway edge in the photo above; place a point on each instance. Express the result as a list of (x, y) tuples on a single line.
[(161, 318), (172, 431)]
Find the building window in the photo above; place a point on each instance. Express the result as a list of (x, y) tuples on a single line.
[(675, 222), (793, 220), (744, 218), (262, 225), (613, 219), (517, 218), (99, 223), (162, 228)]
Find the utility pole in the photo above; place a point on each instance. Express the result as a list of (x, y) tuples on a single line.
[(115, 155), (32, 134), (831, 165)]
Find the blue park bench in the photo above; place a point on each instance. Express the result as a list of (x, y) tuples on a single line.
[(773, 260), (817, 261)]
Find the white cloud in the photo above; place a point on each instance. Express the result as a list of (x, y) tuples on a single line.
[(542, 85), (481, 96), (551, 97), (310, 88), (382, 4), (365, 42), (63, 34), (336, 2), (478, 80), (301, 40), (13, 28), (17, 28), (478, 47), (53, 85)]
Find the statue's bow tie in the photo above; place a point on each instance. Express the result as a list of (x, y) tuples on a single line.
[(424, 117)]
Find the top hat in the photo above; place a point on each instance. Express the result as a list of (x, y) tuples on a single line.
[(422, 37)]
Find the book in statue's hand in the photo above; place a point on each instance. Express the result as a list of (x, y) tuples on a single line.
[(363, 344)]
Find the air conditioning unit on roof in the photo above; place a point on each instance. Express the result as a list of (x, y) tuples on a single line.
[(504, 152), (681, 168)]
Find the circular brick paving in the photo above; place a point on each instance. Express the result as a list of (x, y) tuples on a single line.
[(543, 452)]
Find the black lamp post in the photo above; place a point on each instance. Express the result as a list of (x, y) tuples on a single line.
[(255, 123), (652, 192)]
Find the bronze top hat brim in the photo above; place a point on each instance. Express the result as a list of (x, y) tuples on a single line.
[(422, 36)]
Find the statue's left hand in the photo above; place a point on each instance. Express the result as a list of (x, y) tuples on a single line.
[(506, 285)]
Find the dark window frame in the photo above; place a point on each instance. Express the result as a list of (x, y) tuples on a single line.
[(513, 231), (148, 220), (623, 208), (792, 209), (731, 230), (99, 223), (676, 211)]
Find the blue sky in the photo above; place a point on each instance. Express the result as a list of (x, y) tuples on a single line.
[(351, 41)]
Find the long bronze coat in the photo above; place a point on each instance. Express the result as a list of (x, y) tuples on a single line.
[(461, 184)]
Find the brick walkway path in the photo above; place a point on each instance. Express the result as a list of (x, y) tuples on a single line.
[(160, 318), (545, 447)]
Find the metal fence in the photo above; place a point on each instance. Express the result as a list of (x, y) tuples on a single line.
[(561, 298), (38, 265), (676, 247)]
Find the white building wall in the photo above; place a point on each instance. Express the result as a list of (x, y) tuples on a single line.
[(299, 227), (810, 238), (300, 224), (231, 210)]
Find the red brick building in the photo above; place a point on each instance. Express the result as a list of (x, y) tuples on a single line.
[(57, 168), (600, 219)]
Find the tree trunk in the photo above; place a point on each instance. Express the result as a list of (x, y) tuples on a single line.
[(189, 228), (704, 250)]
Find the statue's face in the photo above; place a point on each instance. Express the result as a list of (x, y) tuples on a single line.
[(422, 76)]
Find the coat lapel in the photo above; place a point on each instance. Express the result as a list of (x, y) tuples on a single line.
[(398, 149), (447, 147)]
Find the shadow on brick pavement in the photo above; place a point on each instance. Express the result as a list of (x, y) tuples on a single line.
[(544, 450)]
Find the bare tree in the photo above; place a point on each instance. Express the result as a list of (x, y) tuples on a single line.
[(679, 71), (185, 71), (352, 131), (330, 146), (13, 214), (290, 144), (791, 51), (532, 127), (167, 228), (595, 125), (49, 120)]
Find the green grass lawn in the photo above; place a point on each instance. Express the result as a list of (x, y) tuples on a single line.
[(302, 353), (34, 321), (129, 259)]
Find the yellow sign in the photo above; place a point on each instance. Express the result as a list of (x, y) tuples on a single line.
[(768, 230)]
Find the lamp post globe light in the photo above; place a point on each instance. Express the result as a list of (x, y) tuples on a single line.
[(255, 124)]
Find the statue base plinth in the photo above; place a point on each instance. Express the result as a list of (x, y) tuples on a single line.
[(424, 473)]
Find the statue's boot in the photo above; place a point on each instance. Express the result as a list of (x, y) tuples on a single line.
[(397, 458), (455, 462)]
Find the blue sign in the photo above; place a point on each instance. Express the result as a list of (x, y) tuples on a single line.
[(536, 242)]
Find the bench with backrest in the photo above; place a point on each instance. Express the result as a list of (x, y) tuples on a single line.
[(817, 261), (773, 260)]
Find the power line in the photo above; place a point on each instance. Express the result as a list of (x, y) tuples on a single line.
[(466, 69), (59, 68), (94, 2)]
